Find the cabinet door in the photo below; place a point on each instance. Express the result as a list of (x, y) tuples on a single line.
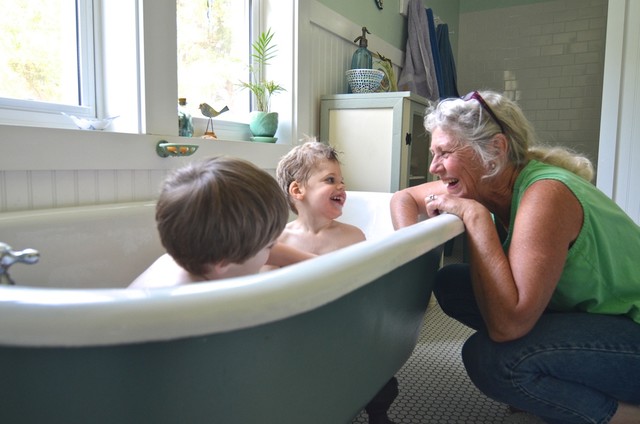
[(418, 142), (364, 139), (382, 141)]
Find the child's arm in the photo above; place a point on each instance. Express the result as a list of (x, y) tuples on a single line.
[(283, 255)]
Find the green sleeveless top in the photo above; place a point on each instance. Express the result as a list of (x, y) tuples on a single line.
[(602, 271)]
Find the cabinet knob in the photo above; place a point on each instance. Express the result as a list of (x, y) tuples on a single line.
[(407, 139)]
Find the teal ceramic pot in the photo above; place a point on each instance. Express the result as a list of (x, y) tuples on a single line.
[(263, 124)]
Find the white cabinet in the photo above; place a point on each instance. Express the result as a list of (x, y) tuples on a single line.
[(380, 137)]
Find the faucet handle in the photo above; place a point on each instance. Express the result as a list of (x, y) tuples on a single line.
[(8, 257)]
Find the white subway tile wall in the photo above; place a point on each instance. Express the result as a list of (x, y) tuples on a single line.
[(549, 56)]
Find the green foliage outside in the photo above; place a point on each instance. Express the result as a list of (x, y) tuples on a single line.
[(212, 53), (32, 63)]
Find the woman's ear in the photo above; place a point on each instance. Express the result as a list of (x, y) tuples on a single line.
[(501, 143), (500, 148), (296, 190)]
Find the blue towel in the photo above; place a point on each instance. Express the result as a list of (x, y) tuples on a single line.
[(449, 76), (435, 52)]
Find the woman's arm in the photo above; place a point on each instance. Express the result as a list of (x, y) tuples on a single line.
[(408, 205), (513, 289)]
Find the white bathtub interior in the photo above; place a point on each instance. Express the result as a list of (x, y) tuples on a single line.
[(83, 247), (79, 245)]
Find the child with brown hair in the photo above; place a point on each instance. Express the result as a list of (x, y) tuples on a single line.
[(217, 218)]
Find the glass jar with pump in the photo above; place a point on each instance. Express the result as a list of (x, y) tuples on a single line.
[(362, 58)]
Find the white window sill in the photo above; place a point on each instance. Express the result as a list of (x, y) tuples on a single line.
[(225, 130), (34, 148)]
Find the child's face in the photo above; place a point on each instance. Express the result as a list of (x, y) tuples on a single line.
[(324, 192)]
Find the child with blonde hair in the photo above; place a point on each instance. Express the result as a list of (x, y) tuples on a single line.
[(311, 177)]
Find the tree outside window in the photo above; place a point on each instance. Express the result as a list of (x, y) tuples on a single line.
[(213, 54), (40, 57)]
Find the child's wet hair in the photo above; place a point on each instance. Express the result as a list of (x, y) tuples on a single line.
[(219, 209)]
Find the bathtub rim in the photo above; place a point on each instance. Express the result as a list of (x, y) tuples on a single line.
[(48, 317)]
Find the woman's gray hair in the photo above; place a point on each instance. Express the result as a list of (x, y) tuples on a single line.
[(471, 126)]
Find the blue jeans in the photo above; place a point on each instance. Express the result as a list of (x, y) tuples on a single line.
[(570, 368)]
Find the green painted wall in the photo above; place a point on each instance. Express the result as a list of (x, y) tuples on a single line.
[(388, 23), (391, 26)]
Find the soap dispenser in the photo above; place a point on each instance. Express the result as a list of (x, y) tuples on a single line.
[(362, 57)]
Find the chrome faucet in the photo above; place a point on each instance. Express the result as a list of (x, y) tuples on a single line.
[(9, 257)]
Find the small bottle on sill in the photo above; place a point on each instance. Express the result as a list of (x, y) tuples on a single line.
[(185, 122)]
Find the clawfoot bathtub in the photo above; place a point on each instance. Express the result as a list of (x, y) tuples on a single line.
[(310, 343)]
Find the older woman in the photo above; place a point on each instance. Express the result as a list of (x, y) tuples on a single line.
[(552, 285)]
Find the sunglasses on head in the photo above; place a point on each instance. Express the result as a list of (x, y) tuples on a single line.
[(474, 95)]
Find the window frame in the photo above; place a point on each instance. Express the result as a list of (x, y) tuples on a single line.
[(129, 73), (234, 118)]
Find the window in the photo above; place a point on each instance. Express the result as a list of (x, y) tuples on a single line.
[(213, 54), (121, 58), (46, 57)]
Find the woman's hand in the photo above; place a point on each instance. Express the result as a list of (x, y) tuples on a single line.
[(437, 204)]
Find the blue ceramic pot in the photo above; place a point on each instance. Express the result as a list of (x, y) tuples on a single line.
[(263, 124)]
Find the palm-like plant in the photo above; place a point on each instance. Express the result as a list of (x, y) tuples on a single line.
[(263, 52)]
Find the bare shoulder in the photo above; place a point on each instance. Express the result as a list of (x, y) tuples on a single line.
[(550, 211), (164, 272), (551, 196), (290, 231), (350, 232)]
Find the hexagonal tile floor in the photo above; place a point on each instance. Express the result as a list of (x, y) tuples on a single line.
[(434, 386)]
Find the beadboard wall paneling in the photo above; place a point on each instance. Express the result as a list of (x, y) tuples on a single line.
[(77, 168)]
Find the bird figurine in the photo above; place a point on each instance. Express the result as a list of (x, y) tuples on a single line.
[(211, 113)]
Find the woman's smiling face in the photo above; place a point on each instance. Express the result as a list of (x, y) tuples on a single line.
[(456, 166)]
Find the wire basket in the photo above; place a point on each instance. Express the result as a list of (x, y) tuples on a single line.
[(364, 80)]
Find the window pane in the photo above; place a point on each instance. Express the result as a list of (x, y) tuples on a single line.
[(213, 54), (38, 51)]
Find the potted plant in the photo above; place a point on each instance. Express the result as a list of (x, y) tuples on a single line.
[(262, 122)]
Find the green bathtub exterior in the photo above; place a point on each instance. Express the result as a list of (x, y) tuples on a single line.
[(321, 366)]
